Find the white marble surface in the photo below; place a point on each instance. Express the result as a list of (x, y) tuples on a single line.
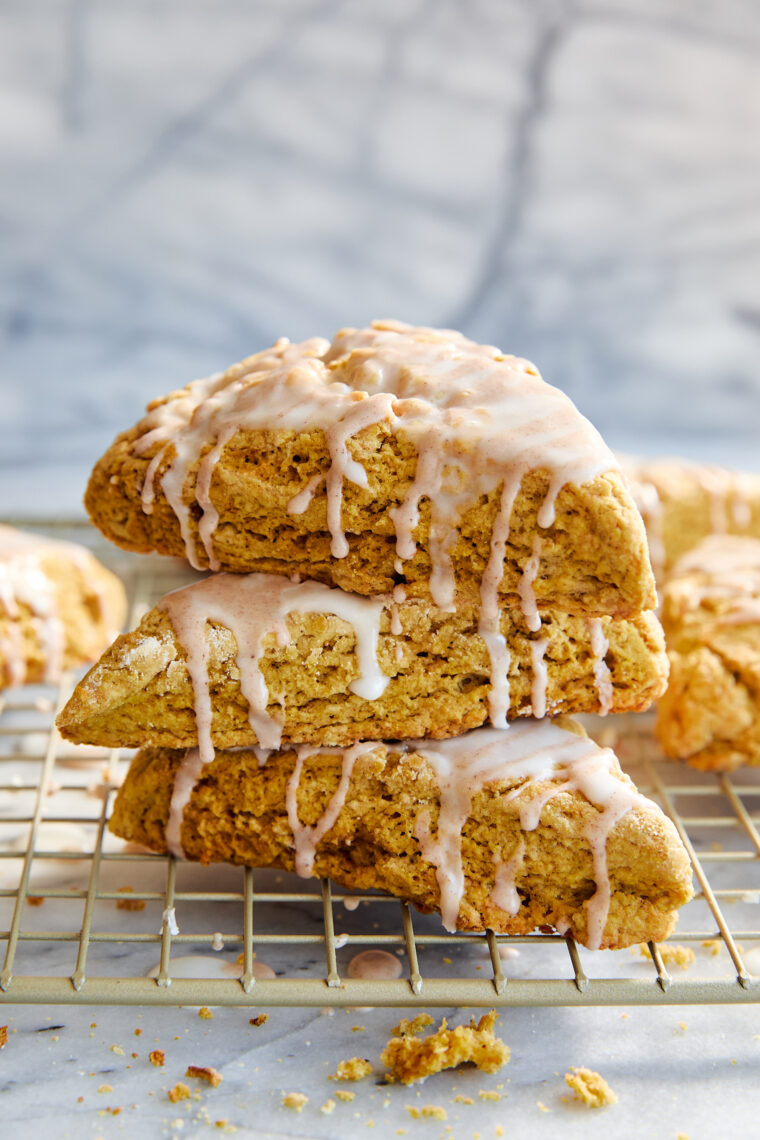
[(182, 181)]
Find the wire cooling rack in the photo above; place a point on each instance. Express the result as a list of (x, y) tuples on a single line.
[(87, 919)]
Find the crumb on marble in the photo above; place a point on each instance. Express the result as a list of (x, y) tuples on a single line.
[(354, 1069), (205, 1013), (345, 1094), (713, 945), (180, 1091), (117, 1049), (674, 954), (542, 1107), (259, 1019), (35, 900), (294, 1100), (129, 904), (157, 1057), (460, 1099), (427, 1111), (409, 1058), (105, 1088), (205, 1073), (3, 1035), (414, 1027), (138, 1032), (489, 1094), (590, 1088), (328, 1106)]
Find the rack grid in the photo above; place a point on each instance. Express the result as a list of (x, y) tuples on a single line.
[(49, 789)]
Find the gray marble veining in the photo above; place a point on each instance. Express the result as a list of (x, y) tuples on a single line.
[(182, 181)]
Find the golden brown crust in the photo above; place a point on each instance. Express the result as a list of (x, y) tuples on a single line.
[(88, 600), (594, 558), (140, 692), (237, 814)]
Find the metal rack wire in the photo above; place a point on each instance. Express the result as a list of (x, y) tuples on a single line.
[(259, 912)]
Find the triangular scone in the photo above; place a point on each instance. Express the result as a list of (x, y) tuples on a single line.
[(683, 502), (391, 454), (241, 659), (59, 608), (710, 714), (504, 830)]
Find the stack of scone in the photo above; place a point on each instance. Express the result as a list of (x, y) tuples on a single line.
[(412, 536)]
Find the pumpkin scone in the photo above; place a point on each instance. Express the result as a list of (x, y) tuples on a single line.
[(59, 608), (237, 660), (391, 454), (505, 830), (683, 502), (710, 714)]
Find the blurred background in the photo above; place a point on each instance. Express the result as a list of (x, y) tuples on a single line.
[(182, 181)]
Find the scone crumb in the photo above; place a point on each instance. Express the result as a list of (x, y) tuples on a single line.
[(499, 1130), (542, 1107), (157, 1057), (411, 1059), (427, 1111), (3, 1035), (682, 1136), (205, 1073), (355, 1069), (105, 1088), (417, 1025), (672, 954), (327, 1107), (205, 1013), (459, 1099), (489, 1094), (294, 1100), (590, 1088), (345, 1094), (713, 945), (118, 1050), (129, 904), (259, 1019), (179, 1092), (34, 900)]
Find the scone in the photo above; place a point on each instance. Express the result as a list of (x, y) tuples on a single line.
[(59, 608), (391, 455), (501, 830), (683, 502), (710, 714), (237, 660)]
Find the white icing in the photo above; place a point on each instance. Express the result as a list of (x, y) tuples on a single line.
[(525, 587), (540, 676), (351, 903), (217, 942), (169, 919), (253, 606), (504, 893), (477, 419), (489, 626), (305, 838), (602, 676), (374, 965)]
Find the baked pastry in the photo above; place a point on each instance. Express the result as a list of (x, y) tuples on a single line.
[(59, 608), (242, 659), (393, 454), (505, 830), (683, 502), (710, 714)]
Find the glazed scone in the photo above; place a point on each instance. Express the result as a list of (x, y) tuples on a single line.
[(683, 502), (393, 454), (500, 830), (236, 660), (59, 608), (710, 714)]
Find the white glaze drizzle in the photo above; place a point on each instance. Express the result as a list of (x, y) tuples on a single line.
[(476, 417), (374, 964), (531, 751), (504, 893), (489, 626), (602, 676), (525, 587), (540, 676), (306, 838), (253, 606)]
